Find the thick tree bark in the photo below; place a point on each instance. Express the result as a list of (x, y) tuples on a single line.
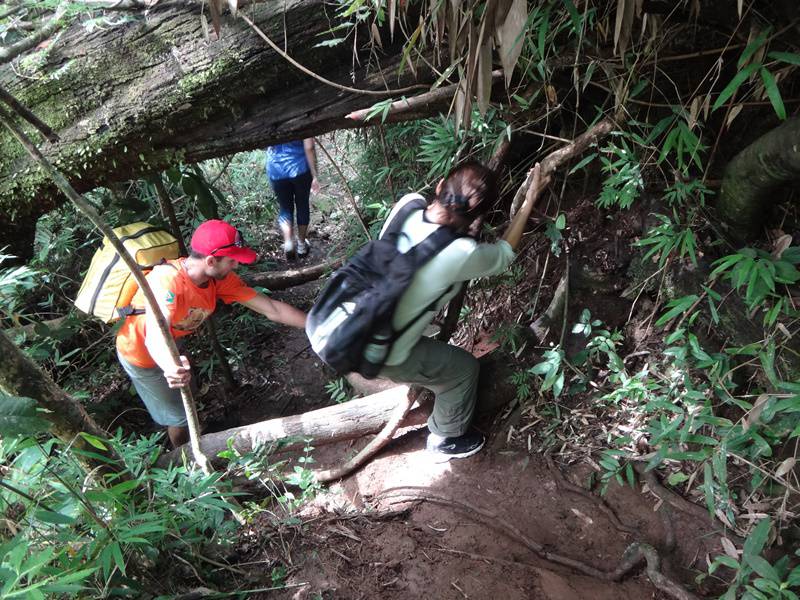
[(152, 92), (350, 420), (772, 160)]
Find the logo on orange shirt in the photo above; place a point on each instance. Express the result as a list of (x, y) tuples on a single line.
[(193, 319)]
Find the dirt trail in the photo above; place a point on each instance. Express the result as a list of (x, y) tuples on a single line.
[(440, 551)]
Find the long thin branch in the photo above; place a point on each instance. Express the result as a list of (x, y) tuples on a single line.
[(282, 280), (389, 181), (168, 209), (320, 78), (88, 210), (350, 195), (26, 114), (12, 11), (679, 502), (55, 23), (415, 102)]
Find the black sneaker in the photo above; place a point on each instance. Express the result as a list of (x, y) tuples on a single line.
[(456, 447)]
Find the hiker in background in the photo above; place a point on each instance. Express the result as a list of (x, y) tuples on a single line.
[(187, 290), (292, 172)]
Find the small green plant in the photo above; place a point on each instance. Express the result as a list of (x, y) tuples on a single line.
[(668, 239), (464, 313), (602, 342), (511, 338), (14, 282), (552, 368), (687, 193), (278, 576), (760, 579), (303, 478), (758, 274), (521, 380), (339, 390), (613, 470), (683, 142), (623, 181), (553, 233)]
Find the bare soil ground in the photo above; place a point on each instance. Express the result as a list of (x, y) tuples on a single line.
[(365, 539)]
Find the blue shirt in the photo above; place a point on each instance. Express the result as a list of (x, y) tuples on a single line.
[(285, 161)]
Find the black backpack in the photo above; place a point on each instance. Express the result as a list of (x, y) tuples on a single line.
[(350, 324)]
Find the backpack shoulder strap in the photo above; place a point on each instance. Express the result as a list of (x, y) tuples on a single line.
[(127, 311), (399, 219), (423, 252), (433, 244)]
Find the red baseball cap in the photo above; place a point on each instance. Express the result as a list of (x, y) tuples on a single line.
[(218, 238)]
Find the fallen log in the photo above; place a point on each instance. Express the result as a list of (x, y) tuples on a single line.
[(359, 417), (282, 280)]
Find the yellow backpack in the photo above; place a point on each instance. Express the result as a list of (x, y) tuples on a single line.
[(108, 285)]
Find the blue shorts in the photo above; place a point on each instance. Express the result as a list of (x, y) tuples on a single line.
[(163, 402)]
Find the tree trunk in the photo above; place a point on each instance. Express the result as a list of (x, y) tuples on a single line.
[(281, 280), (772, 160), (20, 376), (326, 425), (152, 92)]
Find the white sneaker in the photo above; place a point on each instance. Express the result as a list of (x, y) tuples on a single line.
[(288, 249), (303, 247)]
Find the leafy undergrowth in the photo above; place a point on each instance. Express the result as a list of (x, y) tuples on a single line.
[(665, 378)]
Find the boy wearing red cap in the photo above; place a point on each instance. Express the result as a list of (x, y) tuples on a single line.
[(187, 290)]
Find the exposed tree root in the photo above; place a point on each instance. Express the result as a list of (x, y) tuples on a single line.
[(751, 177), (634, 555), (562, 483), (679, 502), (631, 558)]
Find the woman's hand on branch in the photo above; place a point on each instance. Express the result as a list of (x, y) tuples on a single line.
[(538, 184)]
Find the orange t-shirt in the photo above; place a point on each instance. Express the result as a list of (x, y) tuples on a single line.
[(188, 305)]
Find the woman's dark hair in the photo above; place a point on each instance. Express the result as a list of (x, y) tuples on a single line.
[(467, 180)]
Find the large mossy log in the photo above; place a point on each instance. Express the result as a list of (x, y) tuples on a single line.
[(152, 92), (772, 160)]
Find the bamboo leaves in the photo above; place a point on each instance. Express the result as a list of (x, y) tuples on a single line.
[(750, 65), (771, 88), (623, 25), (510, 36)]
